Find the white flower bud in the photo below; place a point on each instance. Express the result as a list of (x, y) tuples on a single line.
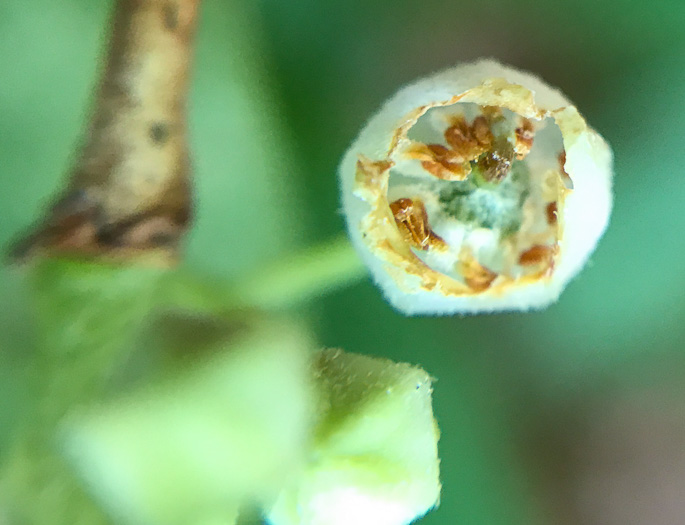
[(477, 189)]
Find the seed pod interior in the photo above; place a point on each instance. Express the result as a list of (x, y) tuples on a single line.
[(477, 189)]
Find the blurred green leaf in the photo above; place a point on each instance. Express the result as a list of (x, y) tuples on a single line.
[(247, 180), (192, 444)]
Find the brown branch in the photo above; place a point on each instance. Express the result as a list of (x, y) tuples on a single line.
[(129, 192)]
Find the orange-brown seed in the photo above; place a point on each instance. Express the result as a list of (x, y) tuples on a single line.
[(441, 162), (551, 210), (476, 276), (538, 254), (412, 221), (469, 141)]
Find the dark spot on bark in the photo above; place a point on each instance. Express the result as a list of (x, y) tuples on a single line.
[(159, 133), (103, 120), (170, 16), (162, 239), (111, 234), (182, 216)]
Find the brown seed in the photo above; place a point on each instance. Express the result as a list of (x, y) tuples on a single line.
[(551, 213), (443, 155), (538, 254), (441, 162), (481, 132), (469, 141), (457, 135), (496, 164), (476, 276), (412, 221)]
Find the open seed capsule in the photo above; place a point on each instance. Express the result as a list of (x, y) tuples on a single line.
[(477, 189)]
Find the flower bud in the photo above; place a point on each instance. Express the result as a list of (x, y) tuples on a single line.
[(374, 456), (477, 189)]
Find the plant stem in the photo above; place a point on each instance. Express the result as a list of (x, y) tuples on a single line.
[(302, 276), (128, 196), (290, 281), (129, 190)]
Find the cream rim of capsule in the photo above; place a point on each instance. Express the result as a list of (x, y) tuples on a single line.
[(478, 189)]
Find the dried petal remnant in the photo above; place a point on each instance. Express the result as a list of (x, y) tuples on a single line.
[(565, 177), (412, 221)]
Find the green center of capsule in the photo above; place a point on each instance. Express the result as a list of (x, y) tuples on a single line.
[(480, 203)]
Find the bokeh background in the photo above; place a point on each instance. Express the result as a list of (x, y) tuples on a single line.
[(567, 416)]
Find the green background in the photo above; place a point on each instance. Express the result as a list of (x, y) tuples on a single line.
[(571, 415)]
